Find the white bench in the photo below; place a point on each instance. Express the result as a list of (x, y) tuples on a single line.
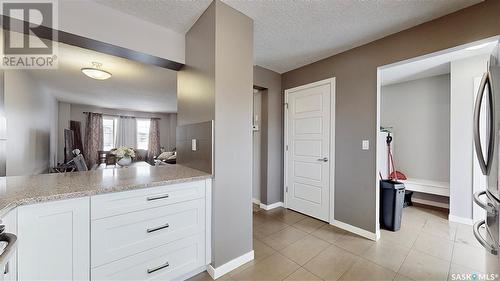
[(428, 186)]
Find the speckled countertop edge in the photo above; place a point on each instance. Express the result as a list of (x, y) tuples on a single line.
[(109, 189)]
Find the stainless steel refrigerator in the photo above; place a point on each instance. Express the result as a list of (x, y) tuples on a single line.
[(489, 155)]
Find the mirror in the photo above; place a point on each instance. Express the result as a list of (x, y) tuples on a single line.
[(54, 115)]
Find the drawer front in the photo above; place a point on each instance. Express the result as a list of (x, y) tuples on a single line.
[(166, 262), (112, 204), (124, 235)]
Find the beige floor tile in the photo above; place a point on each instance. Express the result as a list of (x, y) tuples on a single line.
[(274, 267), (288, 216), (354, 243), (459, 272), (268, 227), (309, 224), (413, 220), (284, 237), (475, 258), (329, 233), (364, 270), (401, 277), (387, 255), (434, 246), (465, 235), (405, 237), (304, 249), (441, 229), (421, 266), (331, 263), (261, 250), (302, 275)]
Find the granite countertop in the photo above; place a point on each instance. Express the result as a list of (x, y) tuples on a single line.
[(21, 190)]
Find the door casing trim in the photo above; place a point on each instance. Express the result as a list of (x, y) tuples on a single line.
[(331, 156)]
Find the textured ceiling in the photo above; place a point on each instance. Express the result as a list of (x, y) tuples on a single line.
[(293, 33), (133, 86)]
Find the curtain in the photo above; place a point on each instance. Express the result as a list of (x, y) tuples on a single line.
[(93, 138), (126, 134), (154, 139)]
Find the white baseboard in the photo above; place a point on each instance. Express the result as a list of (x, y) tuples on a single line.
[(271, 206), (467, 221), (256, 201), (230, 265), (356, 230)]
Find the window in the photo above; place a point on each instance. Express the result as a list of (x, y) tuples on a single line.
[(108, 133), (142, 133)]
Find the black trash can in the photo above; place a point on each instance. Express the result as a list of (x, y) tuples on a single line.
[(392, 196)]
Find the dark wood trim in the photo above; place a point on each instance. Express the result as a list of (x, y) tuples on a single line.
[(99, 46)]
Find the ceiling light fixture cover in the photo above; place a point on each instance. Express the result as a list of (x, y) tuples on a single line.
[(96, 72)]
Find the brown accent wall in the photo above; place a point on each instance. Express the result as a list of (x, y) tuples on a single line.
[(356, 97)]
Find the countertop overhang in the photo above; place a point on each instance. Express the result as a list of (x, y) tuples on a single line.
[(22, 190)]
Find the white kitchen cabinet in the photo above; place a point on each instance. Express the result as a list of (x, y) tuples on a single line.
[(54, 240), (9, 270)]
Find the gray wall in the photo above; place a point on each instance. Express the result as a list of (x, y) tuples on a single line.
[(419, 112), (217, 84), (272, 134), (462, 155), (356, 98), (195, 82), (31, 121), (201, 158)]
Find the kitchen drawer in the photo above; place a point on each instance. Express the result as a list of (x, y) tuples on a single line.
[(166, 262), (112, 204), (124, 235)]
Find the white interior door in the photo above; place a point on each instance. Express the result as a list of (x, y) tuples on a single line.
[(308, 142)]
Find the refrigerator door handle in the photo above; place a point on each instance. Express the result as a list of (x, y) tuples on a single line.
[(484, 164), (486, 206), (491, 248)]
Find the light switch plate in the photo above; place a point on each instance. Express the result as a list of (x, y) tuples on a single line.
[(193, 145), (365, 145)]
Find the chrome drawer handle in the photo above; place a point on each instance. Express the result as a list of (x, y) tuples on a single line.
[(149, 230), (151, 270), (482, 241), (164, 196), (487, 206), (324, 159)]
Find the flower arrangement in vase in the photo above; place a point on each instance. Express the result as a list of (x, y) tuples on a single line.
[(124, 155)]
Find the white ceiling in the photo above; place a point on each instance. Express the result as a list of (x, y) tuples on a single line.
[(433, 64), (133, 86), (293, 33)]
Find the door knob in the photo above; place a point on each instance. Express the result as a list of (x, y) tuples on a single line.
[(324, 159)]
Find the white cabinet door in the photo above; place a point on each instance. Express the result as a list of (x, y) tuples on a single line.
[(54, 241), (9, 271)]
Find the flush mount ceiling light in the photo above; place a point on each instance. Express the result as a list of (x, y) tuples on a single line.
[(96, 72)]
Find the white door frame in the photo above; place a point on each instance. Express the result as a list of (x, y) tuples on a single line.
[(331, 156)]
